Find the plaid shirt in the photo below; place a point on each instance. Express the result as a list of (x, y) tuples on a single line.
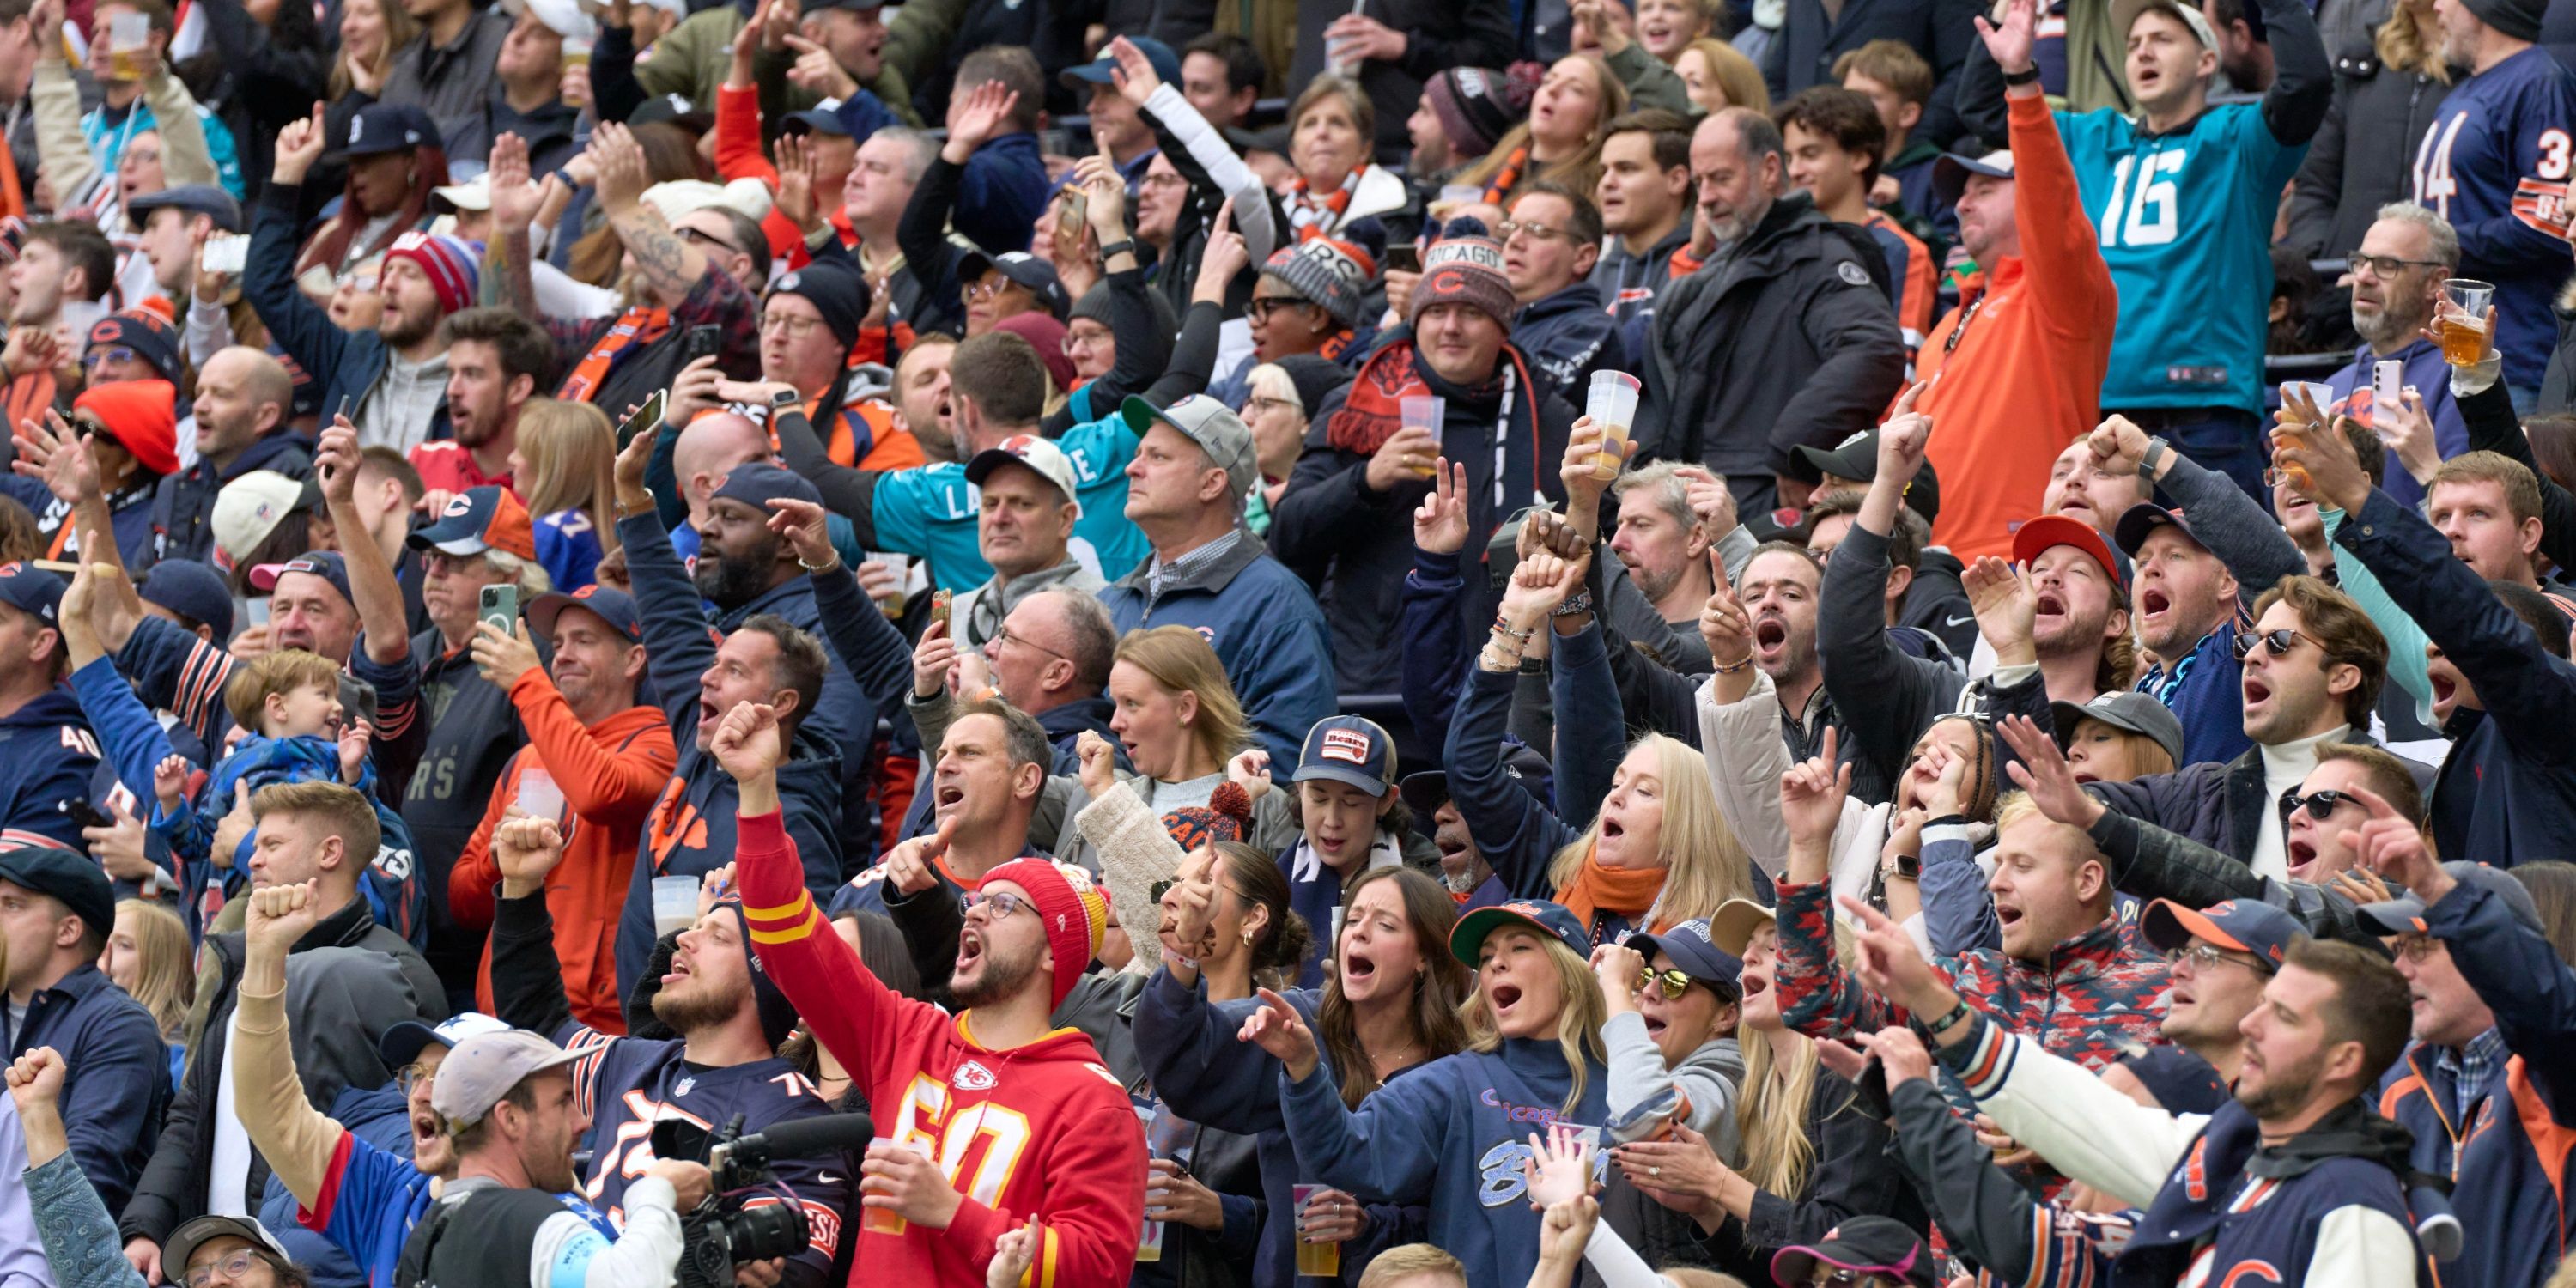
[(2471, 1066), (2097, 994), (1188, 565)]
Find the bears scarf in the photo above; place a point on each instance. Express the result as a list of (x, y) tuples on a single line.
[(1373, 410)]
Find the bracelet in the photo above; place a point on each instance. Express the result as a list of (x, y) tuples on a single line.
[(1580, 603), (1114, 249), (625, 511), (1724, 669), (1503, 627), (1942, 1025), (819, 568), (2027, 76)]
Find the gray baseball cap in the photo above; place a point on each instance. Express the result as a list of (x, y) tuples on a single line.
[(2128, 710), (1208, 423), (2406, 913), (185, 1241), (482, 1069)]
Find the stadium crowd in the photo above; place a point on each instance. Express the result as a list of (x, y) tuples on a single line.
[(1605, 643)]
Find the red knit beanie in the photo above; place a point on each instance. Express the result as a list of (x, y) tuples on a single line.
[(142, 416), (1074, 909)]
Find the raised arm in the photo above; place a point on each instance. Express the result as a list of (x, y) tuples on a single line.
[(2302, 75), (670, 264), (379, 596), (1517, 834), (516, 199), (296, 1139)]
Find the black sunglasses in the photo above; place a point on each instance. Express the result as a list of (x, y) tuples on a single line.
[(2280, 642), (2320, 804)]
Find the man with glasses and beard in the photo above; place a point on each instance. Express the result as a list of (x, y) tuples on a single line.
[(721, 1069), (2395, 277)]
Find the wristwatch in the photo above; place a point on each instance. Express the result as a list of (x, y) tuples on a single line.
[(2154, 457), (782, 399), (1115, 249), (624, 511), (2027, 75)]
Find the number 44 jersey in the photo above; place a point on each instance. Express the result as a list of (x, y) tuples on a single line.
[(2184, 220), (2496, 164)]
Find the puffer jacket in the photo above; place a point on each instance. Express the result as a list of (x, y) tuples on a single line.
[(2097, 995)]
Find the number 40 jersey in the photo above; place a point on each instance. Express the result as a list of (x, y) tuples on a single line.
[(2496, 164), (2185, 222)]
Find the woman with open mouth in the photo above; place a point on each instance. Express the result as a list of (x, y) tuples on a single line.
[(1674, 1002), (1561, 140), (1390, 1009), (1178, 718), (1658, 851), (1811, 1153), (1454, 1135)]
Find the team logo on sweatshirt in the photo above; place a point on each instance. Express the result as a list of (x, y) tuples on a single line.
[(973, 1076)]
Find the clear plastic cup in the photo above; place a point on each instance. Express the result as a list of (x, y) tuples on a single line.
[(1314, 1260), (539, 796), (1425, 411), (2464, 339), (1612, 405), (879, 1220), (675, 904)]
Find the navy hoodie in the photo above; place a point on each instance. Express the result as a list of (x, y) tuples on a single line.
[(1456, 1133), (2505, 794), (46, 755), (1567, 335)]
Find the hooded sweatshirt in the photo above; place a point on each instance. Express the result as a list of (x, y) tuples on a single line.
[(1457, 1131), (1043, 1130)]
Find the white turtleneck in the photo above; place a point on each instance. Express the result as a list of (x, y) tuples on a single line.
[(2285, 765)]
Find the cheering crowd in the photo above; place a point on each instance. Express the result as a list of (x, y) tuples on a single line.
[(1571, 643)]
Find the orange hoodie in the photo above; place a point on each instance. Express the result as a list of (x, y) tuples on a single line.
[(2019, 366), (610, 774)]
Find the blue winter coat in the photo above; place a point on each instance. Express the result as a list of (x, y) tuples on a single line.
[(1265, 627)]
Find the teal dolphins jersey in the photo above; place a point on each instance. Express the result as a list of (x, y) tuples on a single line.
[(2185, 222)]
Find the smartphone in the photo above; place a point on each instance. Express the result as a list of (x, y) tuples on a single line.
[(1404, 257), (2387, 381), (700, 342), (647, 418), (259, 611), (1071, 213), (86, 814), (228, 253), (939, 608), (500, 606)]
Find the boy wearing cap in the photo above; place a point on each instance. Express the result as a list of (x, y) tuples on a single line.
[(608, 758), (2182, 192), (1346, 811), (1046, 1133)]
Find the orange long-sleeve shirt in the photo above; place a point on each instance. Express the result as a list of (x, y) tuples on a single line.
[(610, 774), (2020, 363)]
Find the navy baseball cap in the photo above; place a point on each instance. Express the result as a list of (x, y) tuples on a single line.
[(379, 128), (2144, 518), (614, 606), (1024, 269), (74, 878), (814, 120), (2242, 925), (1694, 949), (404, 1042), (192, 590), (759, 483), (1868, 1245), (31, 590), (1546, 918), (325, 564), (2405, 915), (195, 198), (1349, 749), (1167, 65), (476, 520)]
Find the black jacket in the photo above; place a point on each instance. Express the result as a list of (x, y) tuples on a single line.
[(2362, 157), (2219, 804), (2151, 863), (345, 1004), (1802, 54), (1787, 341), (183, 510), (1851, 1176), (1439, 34), (1353, 545)]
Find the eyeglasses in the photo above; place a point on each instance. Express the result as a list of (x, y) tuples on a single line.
[(1673, 982), (1085, 340), (2320, 804), (2280, 642), (710, 239), (414, 1075), (988, 288), (1262, 306), (2204, 956), (113, 353), (997, 906), (1510, 227), (2416, 946), (234, 1267), (2387, 265), (796, 327), (1003, 635), (1252, 406)]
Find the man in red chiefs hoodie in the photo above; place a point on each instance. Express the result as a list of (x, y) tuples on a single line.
[(1022, 1115)]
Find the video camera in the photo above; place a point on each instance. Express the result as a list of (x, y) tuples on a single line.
[(727, 1230)]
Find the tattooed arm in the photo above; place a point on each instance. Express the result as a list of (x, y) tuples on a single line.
[(669, 265), (515, 201)]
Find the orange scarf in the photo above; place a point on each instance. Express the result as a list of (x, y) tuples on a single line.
[(637, 327), (1622, 892)]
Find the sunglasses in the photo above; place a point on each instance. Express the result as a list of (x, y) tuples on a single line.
[(2320, 804), (1673, 982), (2280, 642)]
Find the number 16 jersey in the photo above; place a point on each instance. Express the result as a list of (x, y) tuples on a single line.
[(2185, 222)]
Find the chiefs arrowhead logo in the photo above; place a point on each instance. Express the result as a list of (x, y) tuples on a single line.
[(973, 1076)]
